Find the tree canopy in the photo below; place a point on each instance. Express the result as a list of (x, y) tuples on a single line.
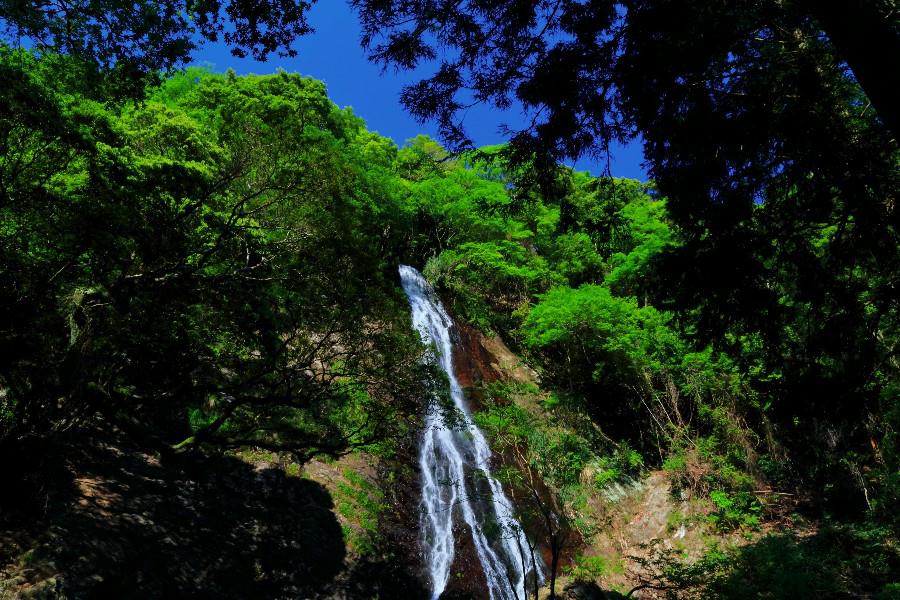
[(199, 265), (209, 261), (762, 125), (134, 40)]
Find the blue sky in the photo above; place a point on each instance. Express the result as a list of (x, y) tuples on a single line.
[(333, 54)]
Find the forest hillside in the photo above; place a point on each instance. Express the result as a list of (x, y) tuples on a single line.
[(210, 380)]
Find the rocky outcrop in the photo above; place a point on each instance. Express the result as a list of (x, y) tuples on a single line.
[(481, 359)]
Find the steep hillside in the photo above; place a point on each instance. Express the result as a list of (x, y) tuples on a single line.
[(210, 385), (632, 530)]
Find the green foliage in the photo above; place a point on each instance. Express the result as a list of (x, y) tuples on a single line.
[(623, 463), (507, 423), (216, 266), (619, 340), (734, 511), (489, 279), (575, 258), (562, 457), (631, 267), (200, 265), (132, 42), (834, 562), (361, 504), (889, 592), (589, 568)]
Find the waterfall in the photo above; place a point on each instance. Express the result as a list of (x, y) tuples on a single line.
[(456, 474)]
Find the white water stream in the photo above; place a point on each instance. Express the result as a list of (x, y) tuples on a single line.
[(456, 474)]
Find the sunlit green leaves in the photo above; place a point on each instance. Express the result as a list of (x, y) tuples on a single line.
[(212, 262)]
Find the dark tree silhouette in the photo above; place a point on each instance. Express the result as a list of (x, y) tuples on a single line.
[(771, 129), (136, 39), (762, 123)]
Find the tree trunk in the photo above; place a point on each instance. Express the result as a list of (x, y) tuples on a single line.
[(869, 40), (554, 564)]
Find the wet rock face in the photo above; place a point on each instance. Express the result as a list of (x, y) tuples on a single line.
[(473, 364), (467, 581), (581, 590), (399, 571), (477, 360), (480, 359)]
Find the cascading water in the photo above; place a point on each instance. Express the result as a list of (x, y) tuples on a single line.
[(456, 474)]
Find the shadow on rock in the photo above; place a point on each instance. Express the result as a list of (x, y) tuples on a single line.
[(200, 527), (581, 590), (383, 579), (843, 562)]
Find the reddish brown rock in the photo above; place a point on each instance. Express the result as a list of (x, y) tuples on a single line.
[(479, 358)]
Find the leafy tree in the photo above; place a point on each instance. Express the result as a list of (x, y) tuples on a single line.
[(453, 201), (574, 256), (769, 129), (491, 278), (513, 430), (199, 268), (602, 346), (632, 266), (571, 60), (133, 40)]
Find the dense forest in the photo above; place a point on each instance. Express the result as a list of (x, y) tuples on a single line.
[(200, 285)]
